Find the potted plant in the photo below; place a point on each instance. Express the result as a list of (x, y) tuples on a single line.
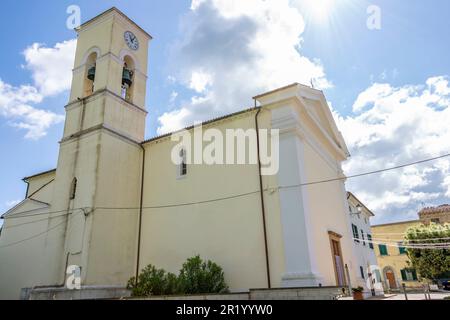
[(358, 293)]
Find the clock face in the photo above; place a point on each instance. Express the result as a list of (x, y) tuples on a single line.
[(131, 40)]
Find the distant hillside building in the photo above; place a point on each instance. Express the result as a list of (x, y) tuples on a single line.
[(392, 257)]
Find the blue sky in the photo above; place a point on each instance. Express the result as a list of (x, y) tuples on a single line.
[(388, 88)]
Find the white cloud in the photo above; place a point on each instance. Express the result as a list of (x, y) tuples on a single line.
[(199, 81), (232, 50), (397, 125), (51, 68), (15, 106)]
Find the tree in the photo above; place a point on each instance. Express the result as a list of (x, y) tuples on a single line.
[(431, 259), (153, 282), (197, 276)]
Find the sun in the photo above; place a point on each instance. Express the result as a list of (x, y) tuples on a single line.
[(319, 10)]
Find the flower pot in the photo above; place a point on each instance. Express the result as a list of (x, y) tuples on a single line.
[(358, 295)]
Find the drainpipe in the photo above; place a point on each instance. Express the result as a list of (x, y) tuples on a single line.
[(261, 192), (140, 215)]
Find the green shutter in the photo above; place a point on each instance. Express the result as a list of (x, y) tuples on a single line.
[(383, 249), (404, 278), (414, 274)]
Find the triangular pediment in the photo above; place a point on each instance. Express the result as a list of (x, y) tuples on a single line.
[(27, 206)]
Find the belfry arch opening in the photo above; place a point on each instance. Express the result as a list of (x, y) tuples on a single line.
[(128, 71), (89, 80)]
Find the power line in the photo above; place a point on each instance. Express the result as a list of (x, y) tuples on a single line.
[(267, 189), (21, 215), (183, 204), (442, 245), (35, 236), (371, 172), (34, 221)]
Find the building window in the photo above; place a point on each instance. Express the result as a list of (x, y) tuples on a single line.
[(355, 233), (383, 250), (362, 237), (409, 275), (378, 275), (361, 269), (73, 188), (435, 220), (401, 249), (369, 239), (182, 169)]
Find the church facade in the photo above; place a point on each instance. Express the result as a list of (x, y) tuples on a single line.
[(116, 202)]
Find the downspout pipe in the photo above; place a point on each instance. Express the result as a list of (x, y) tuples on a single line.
[(261, 192), (138, 254)]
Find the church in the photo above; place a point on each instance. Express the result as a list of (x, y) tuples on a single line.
[(116, 202)]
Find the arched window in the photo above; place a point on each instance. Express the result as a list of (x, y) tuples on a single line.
[(127, 78), (89, 80), (73, 188)]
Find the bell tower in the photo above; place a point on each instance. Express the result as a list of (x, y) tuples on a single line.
[(100, 157), (109, 77)]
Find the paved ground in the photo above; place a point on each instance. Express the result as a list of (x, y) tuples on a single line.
[(411, 296), (417, 296)]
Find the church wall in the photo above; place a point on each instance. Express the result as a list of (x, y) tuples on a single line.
[(229, 232), (38, 182), (24, 263), (113, 241), (329, 213)]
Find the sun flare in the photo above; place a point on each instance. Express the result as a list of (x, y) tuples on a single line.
[(319, 10)]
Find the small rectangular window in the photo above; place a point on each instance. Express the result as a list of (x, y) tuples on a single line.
[(362, 237), (401, 249), (408, 274), (383, 250), (361, 269), (355, 233), (369, 239), (182, 168)]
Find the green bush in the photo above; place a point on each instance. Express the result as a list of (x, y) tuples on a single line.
[(196, 276), (153, 282)]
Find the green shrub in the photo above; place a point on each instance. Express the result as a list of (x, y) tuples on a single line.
[(153, 281), (195, 277), (198, 276)]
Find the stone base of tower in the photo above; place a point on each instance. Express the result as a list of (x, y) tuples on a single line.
[(85, 293)]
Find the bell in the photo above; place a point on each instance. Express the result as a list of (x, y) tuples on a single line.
[(91, 73), (127, 76)]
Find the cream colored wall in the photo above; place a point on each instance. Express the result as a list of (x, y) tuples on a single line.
[(108, 110), (36, 183), (393, 233), (23, 245), (113, 239), (229, 232), (328, 214)]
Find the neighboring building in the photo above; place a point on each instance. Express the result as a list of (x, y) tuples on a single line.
[(116, 203), (392, 257), (369, 276), (439, 214)]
